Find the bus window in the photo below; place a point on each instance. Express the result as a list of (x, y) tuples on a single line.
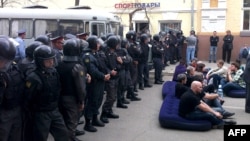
[(114, 28), (98, 29), (18, 24), (43, 27), (4, 27), (70, 26)]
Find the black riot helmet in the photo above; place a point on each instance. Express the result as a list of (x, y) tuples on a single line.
[(29, 50), (124, 43), (93, 42), (44, 52), (44, 39), (108, 35), (7, 52), (156, 37), (112, 42), (104, 38), (131, 35), (71, 50), (144, 37)]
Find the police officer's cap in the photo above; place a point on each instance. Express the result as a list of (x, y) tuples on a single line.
[(69, 36), (21, 31), (83, 34), (53, 39)]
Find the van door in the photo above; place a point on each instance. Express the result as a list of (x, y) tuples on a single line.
[(97, 28)]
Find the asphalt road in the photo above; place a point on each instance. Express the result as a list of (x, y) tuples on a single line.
[(140, 121)]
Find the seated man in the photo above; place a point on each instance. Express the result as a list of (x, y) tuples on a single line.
[(190, 74), (215, 75), (180, 87), (181, 68), (193, 108), (233, 80)]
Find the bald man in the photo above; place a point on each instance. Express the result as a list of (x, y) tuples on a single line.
[(193, 108)]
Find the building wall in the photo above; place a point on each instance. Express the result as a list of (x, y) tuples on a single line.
[(227, 15)]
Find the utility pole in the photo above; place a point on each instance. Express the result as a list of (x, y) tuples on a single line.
[(192, 14), (77, 2)]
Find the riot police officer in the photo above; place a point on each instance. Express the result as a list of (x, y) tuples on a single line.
[(158, 58), (134, 51), (126, 81), (114, 63), (143, 68), (42, 96), (95, 88), (11, 93), (44, 39), (72, 78), (27, 65)]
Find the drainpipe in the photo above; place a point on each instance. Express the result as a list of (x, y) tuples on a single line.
[(192, 14)]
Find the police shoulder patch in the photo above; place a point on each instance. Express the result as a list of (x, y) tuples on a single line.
[(82, 73), (86, 60), (28, 84)]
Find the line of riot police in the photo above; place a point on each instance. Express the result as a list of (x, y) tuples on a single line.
[(60, 80)]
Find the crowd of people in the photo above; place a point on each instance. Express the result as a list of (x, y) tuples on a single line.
[(56, 80), (199, 85)]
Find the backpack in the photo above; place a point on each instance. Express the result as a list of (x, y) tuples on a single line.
[(245, 53)]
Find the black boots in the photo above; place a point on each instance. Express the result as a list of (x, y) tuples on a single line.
[(97, 122), (131, 95), (141, 87), (121, 105), (110, 114), (89, 127), (104, 117)]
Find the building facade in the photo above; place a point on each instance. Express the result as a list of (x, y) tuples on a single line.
[(203, 16)]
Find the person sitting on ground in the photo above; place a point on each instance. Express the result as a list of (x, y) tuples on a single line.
[(179, 69), (201, 67), (215, 75), (233, 80), (193, 62), (180, 87), (193, 108), (190, 73)]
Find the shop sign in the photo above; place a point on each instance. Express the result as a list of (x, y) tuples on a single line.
[(137, 5)]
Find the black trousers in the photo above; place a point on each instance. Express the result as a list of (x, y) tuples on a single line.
[(158, 65), (94, 98), (111, 96), (247, 106), (69, 109), (49, 122), (10, 124), (226, 54)]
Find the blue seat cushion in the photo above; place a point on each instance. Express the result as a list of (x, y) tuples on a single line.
[(169, 117), (168, 88), (237, 93)]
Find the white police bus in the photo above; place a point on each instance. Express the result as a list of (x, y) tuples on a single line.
[(58, 22)]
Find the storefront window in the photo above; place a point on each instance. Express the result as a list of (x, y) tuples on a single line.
[(170, 25)]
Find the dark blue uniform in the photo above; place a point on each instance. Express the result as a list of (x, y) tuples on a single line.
[(11, 96)]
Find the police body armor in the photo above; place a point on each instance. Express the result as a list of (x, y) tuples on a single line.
[(77, 78), (47, 99), (157, 50), (135, 51), (13, 93)]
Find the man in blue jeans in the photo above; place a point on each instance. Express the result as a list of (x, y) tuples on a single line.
[(193, 108), (191, 43), (214, 39)]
